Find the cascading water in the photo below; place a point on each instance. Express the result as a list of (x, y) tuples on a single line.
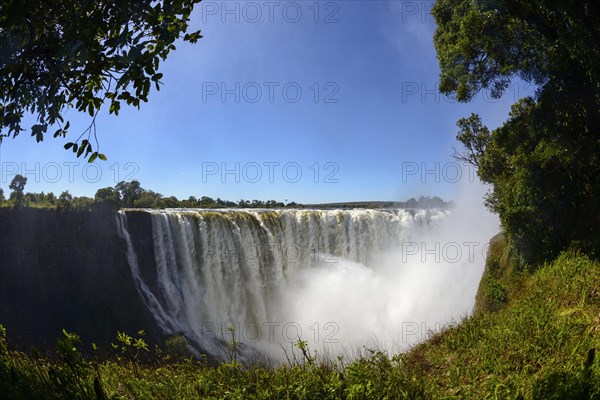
[(214, 268)]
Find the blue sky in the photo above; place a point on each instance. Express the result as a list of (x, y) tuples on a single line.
[(306, 101)]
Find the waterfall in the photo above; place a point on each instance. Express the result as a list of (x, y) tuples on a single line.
[(217, 267)]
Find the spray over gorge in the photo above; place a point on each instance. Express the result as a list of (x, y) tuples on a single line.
[(337, 279)]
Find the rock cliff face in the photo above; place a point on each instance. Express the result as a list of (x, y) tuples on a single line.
[(175, 272), (67, 270)]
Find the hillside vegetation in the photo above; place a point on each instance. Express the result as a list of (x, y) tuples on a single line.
[(534, 335)]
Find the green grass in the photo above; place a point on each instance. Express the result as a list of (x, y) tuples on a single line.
[(537, 346), (533, 336)]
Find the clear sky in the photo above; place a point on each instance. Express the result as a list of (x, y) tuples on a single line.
[(309, 101)]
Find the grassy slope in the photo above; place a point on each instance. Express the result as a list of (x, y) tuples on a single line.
[(532, 337)]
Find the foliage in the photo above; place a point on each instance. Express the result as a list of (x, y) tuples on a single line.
[(108, 194), (493, 292), (17, 185), (484, 44), (73, 382), (64, 201), (543, 162), (232, 347), (81, 55), (129, 194), (130, 348), (177, 348), (107, 197), (502, 276)]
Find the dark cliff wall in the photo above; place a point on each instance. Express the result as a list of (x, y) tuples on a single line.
[(68, 270), (139, 226)]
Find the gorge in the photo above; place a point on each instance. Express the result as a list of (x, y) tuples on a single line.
[(339, 279)]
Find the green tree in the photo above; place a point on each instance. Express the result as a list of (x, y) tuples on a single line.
[(108, 195), (544, 161), (148, 199), (129, 192), (169, 202), (206, 202), (191, 202), (51, 198), (107, 198), (2, 198), (65, 201), (17, 185), (32, 198), (84, 55), (82, 203)]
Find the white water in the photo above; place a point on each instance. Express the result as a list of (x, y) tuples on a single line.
[(339, 279)]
